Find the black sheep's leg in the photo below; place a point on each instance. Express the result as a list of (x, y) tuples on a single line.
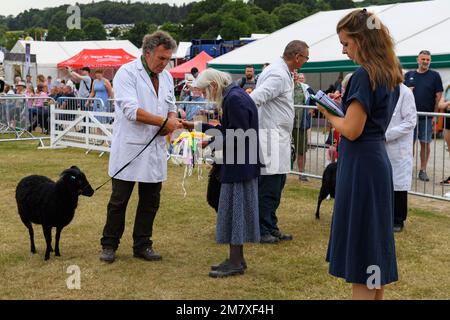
[(58, 235), (318, 208), (323, 194), (31, 232), (48, 240)]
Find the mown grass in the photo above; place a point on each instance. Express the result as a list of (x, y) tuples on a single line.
[(184, 234)]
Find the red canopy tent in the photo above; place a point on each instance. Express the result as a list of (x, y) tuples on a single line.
[(98, 58), (199, 62)]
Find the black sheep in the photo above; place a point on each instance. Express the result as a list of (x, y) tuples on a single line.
[(328, 185), (42, 201)]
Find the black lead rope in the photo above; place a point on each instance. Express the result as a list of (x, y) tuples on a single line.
[(154, 137)]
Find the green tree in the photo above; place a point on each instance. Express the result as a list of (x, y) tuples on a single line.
[(233, 28), (9, 38), (341, 4), (208, 26), (174, 29), (289, 13), (115, 33), (152, 28), (203, 20), (36, 33), (268, 5), (321, 5), (236, 15), (59, 20), (137, 33), (93, 29), (114, 12), (265, 22), (230, 19), (55, 34), (75, 35)]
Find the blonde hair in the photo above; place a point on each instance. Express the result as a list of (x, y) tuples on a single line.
[(207, 77), (375, 47)]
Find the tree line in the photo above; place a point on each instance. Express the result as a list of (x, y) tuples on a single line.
[(203, 19)]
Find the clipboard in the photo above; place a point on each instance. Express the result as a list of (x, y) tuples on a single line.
[(321, 98)]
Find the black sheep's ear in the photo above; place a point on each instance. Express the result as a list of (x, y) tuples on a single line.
[(75, 167)]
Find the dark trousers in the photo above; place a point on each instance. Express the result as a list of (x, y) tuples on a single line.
[(148, 205), (400, 207), (270, 188), (38, 116)]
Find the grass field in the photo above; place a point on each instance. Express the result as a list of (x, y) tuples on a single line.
[(184, 234)]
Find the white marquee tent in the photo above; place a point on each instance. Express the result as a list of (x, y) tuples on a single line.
[(183, 50), (415, 26), (50, 53)]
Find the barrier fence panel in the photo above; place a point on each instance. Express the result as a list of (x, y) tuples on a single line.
[(314, 142), (437, 167), (316, 145), (82, 123), (197, 111), (25, 118)]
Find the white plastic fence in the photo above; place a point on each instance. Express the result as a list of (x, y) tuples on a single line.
[(81, 123)]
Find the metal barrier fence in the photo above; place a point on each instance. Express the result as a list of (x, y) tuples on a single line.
[(198, 111), (438, 164), (21, 116), (318, 145)]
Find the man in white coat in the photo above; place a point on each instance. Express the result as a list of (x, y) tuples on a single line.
[(275, 101), (145, 102), (399, 146)]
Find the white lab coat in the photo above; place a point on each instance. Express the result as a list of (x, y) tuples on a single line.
[(399, 139), (274, 97), (133, 89)]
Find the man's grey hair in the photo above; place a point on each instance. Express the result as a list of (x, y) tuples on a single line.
[(294, 47), (156, 39)]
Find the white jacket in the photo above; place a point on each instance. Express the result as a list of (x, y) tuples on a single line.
[(399, 139), (133, 89), (274, 97)]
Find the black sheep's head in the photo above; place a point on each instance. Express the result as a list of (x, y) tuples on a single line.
[(76, 178)]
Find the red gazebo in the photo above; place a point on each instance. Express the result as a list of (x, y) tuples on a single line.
[(110, 59), (199, 62)]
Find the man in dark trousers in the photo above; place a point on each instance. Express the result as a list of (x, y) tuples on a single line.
[(274, 97), (139, 115)]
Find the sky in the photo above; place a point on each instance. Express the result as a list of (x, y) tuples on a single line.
[(17, 6)]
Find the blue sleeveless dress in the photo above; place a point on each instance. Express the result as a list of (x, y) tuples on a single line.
[(101, 93)]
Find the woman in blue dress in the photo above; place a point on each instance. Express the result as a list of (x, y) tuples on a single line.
[(101, 89), (362, 247)]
